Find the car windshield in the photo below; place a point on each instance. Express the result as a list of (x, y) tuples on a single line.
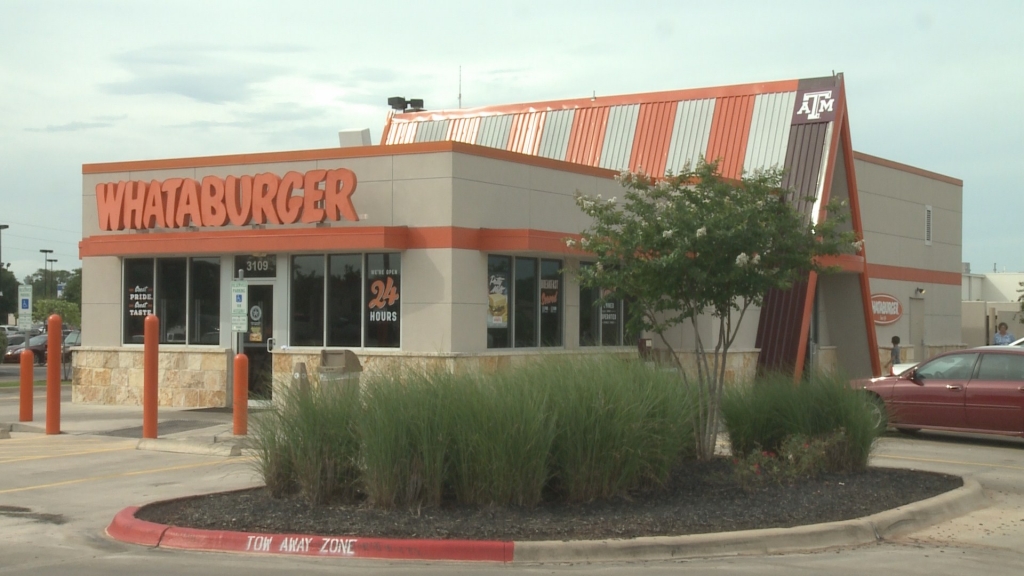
[(37, 340), (71, 339)]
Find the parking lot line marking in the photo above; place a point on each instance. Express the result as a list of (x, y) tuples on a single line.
[(960, 462), (110, 476), (44, 457)]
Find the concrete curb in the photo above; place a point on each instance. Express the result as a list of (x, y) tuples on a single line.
[(127, 528), (766, 541), (187, 447)]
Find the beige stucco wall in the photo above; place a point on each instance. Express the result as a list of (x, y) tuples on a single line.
[(892, 202)]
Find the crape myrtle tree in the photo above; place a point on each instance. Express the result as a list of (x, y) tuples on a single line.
[(695, 244)]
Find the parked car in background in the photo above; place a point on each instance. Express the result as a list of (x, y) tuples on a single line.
[(37, 344), (15, 342), (73, 339), (978, 390), (8, 329)]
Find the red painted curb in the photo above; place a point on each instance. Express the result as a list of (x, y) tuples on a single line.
[(127, 528)]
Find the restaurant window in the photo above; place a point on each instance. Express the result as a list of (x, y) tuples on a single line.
[(204, 298), (171, 282), (344, 295), (307, 295), (524, 302), (346, 300), (184, 294)]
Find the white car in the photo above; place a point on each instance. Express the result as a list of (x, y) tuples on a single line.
[(9, 329)]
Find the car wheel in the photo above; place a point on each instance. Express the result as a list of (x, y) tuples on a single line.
[(879, 416)]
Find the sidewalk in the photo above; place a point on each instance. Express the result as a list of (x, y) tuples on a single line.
[(193, 431)]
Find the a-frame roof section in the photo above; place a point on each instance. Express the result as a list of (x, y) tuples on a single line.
[(744, 127)]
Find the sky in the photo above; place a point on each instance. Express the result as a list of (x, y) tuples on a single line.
[(934, 84)]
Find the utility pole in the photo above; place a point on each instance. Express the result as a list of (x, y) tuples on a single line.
[(46, 258)]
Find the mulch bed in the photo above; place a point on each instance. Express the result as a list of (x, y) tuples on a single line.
[(700, 498)]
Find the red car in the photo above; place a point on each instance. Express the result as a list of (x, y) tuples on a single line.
[(976, 390)]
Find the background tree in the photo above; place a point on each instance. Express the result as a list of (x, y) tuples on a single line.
[(44, 283), (695, 244), (69, 312), (8, 294), (73, 287)]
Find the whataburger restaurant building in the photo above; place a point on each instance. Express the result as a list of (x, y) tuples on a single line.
[(445, 245)]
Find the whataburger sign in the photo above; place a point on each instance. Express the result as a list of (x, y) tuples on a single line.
[(261, 199)]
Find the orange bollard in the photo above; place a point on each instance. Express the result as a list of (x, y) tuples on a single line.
[(240, 401), (150, 356), (28, 360), (54, 338)]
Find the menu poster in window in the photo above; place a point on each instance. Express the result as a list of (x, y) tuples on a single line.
[(549, 296), (497, 300), (609, 310), (383, 295), (140, 300)]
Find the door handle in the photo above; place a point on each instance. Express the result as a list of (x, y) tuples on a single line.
[(953, 387), (270, 344), (1020, 388)]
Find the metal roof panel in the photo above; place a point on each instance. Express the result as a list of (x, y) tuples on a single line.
[(432, 131), (618, 137), (653, 134), (586, 139), (769, 131), (555, 138), (690, 132), (494, 131)]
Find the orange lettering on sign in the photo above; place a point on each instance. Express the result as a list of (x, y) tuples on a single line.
[(288, 207), (211, 202), (264, 198), (384, 294), (239, 202)]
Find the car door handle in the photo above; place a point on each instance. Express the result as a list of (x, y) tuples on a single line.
[(1020, 388), (953, 387)]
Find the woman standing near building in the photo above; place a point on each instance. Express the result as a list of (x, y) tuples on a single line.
[(1002, 337)]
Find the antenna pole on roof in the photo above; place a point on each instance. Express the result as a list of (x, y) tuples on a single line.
[(460, 86)]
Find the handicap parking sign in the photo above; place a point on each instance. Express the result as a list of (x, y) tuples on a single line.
[(24, 303)]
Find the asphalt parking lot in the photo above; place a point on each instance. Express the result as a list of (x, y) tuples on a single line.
[(58, 493)]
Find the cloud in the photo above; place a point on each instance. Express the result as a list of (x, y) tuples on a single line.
[(71, 127), (210, 75)]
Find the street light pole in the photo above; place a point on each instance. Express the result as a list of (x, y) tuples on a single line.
[(52, 270), (2, 228), (46, 257)]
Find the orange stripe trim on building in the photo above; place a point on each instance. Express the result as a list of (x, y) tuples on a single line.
[(586, 139), (279, 240), (652, 137), (886, 272), (906, 168), (730, 128), (605, 101), (845, 262), (345, 153)]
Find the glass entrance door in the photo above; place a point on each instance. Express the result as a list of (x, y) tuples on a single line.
[(256, 341)]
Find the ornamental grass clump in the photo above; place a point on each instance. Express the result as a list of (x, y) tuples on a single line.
[(405, 429), (557, 429), (503, 431), (307, 442), (620, 425), (762, 416)]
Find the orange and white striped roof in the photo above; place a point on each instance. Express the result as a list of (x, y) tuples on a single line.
[(746, 127)]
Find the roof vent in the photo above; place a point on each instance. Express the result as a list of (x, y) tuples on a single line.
[(354, 137), (400, 104)]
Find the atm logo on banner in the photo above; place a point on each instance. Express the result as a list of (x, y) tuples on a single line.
[(814, 106), (261, 199), (886, 309)]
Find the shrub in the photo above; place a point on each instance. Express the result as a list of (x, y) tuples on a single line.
[(763, 415)]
